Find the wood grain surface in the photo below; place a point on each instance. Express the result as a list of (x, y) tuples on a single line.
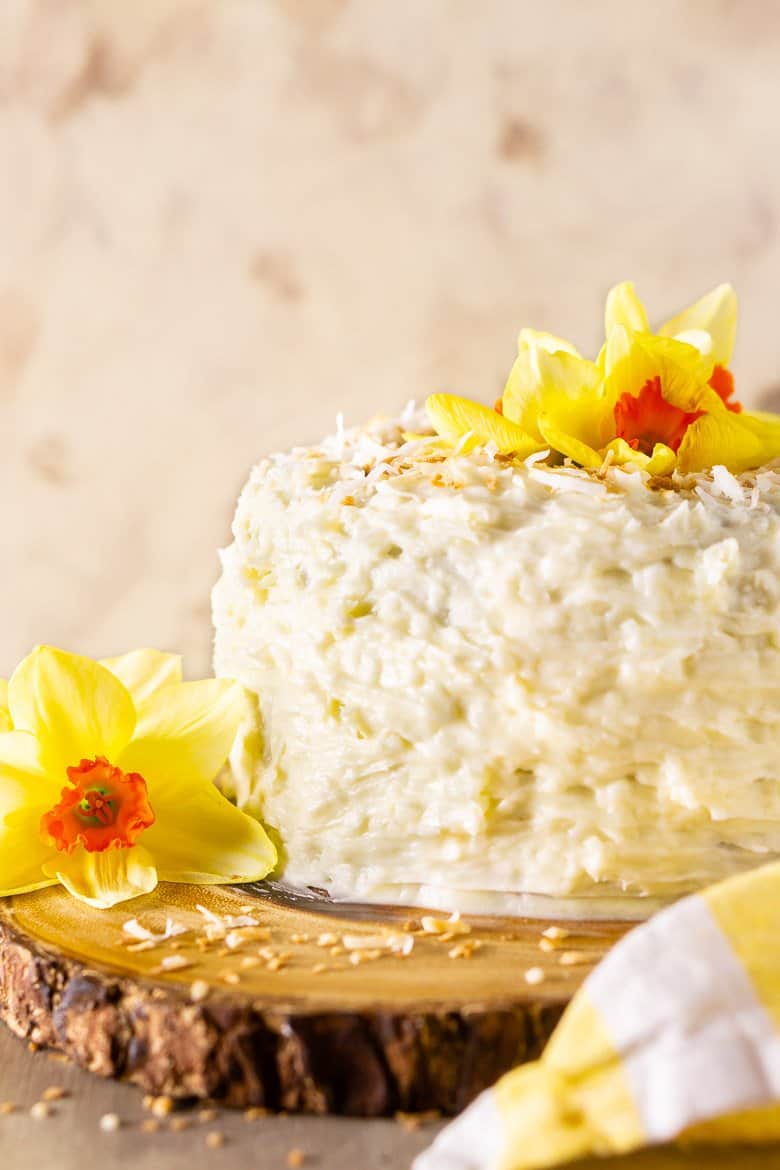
[(264, 999), (82, 979)]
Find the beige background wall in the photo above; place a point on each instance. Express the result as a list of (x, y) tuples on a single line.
[(221, 222)]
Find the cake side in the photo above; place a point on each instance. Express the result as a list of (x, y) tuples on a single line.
[(480, 680)]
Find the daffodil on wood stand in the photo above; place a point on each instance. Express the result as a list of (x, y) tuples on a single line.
[(659, 402), (107, 776)]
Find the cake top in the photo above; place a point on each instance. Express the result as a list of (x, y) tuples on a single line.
[(659, 403), (352, 465), (654, 420)]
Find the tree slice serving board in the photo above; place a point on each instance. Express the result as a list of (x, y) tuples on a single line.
[(287, 1002)]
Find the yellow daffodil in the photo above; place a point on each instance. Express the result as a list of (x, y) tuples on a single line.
[(658, 402), (106, 779), (675, 387), (555, 396), (709, 324), (657, 388), (549, 386), (469, 424)]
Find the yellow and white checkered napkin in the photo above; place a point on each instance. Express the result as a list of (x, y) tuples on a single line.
[(676, 1032)]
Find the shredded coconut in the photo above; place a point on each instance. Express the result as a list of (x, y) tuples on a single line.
[(135, 930), (727, 485)]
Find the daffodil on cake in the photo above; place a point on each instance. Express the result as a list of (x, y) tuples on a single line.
[(525, 657)]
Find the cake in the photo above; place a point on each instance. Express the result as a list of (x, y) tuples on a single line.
[(488, 679)]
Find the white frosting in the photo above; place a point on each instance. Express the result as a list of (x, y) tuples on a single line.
[(477, 681)]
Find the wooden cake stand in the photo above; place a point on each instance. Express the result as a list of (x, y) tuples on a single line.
[(272, 999)]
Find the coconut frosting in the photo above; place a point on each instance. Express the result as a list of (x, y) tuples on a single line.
[(489, 684)]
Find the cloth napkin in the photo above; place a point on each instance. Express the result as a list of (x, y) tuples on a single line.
[(675, 1034)]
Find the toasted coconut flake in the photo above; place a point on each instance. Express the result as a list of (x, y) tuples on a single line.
[(54, 1093), (136, 930), (175, 963), (445, 926), (575, 958), (160, 1106), (396, 943), (464, 950), (534, 975), (727, 484), (360, 942), (556, 932), (240, 935), (218, 925), (199, 990)]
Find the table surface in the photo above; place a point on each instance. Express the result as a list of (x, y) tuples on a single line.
[(71, 1137)]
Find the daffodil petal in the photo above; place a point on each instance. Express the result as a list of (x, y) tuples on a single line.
[(184, 733), (663, 460), (522, 395), (698, 338), (573, 401), (23, 777), (625, 308), (199, 836), (616, 349), (535, 338), (716, 314), (24, 851), (763, 424), (538, 378), (75, 707), (5, 715), (26, 793), (730, 439), (634, 359), (104, 879), (143, 672), (567, 373), (457, 419), (569, 445), (623, 453)]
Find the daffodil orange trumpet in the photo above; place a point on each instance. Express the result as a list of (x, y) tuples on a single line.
[(657, 402), (106, 778)]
